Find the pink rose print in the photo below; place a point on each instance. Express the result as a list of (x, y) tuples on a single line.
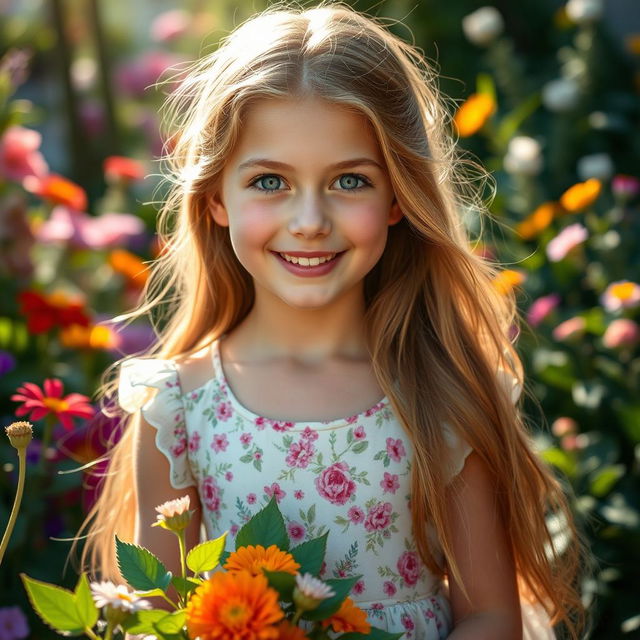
[(389, 588), (409, 567), (210, 494), (296, 531), (356, 515), (407, 622), (352, 419), (390, 483), (358, 587), (310, 434), (233, 529), (430, 614), (298, 494), (359, 433), (224, 411), (261, 423), (378, 606), (179, 447), (335, 484), (395, 449), (228, 476), (194, 442), (258, 455), (245, 438), (275, 490), (300, 454), (220, 442), (282, 426), (251, 498), (379, 516)]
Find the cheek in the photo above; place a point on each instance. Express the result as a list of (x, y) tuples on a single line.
[(367, 226), (252, 228)]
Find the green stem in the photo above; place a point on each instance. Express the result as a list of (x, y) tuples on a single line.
[(22, 464), (108, 634), (183, 563), (90, 634), (170, 601)]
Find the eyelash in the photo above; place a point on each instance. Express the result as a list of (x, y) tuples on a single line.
[(253, 183)]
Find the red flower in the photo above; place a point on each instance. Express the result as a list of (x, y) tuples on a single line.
[(58, 190), (41, 403), (121, 168), (45, 312)]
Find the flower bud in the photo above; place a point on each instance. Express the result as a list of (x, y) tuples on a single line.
[(20, 434)]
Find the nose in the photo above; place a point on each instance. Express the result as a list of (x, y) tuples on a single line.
[(309, 218)]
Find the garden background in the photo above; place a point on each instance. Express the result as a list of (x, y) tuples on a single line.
[(547, 97)]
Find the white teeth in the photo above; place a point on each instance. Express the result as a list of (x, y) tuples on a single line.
[(314, 262), (308, 262)]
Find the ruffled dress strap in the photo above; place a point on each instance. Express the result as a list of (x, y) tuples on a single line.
[(164, 410)]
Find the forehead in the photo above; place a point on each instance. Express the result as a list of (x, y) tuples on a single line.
[(299, 130)]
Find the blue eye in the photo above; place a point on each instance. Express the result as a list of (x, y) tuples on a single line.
[(349, 182), (271, 182)]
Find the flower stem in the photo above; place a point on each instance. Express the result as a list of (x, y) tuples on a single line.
[(90, 634), (108, 634), (183, 563), (22, 464)]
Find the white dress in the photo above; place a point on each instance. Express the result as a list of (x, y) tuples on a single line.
[(348, 476)]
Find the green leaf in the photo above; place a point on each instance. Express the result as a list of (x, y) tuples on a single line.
[(310, 555), (341, 588), (265, 528), (55, 605), (142, 621), (140, 568), (171, 623), (85, 606), (206, 556), (184, 586), (604, 479), (283, 583), (151, 593), (376, 634), (360, 447), (561, 460)]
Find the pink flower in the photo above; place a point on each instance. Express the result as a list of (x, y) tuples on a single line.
[(296, 531), (358, 587), (541, 308), (621, 333), (572, 328), (390, 483), (409, 567), (136, 76), (310, 434), (395, 449), (300, 454), (245, 438), (282, 426), (180, 446), (275, 490), (261, 423), (257, 455), (224, 411), (19, 155), (194, 442), (359, 433), (356, 515), (298, 494), (622, 294), (220, 442), (569, 238), (210, 494), (251, 498), (169, 25), (233, 529), (335, 484), (625, 187), (228, 476), (407, 622), (389, 588), (564, 426), (379, 517)]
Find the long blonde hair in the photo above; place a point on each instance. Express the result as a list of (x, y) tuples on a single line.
[(437, 328)]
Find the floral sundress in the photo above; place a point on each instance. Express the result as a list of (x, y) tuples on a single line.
[(349, 476)]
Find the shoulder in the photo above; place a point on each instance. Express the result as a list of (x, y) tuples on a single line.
[(195, 369)]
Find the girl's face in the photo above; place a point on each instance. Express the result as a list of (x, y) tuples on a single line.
[(307, 200)]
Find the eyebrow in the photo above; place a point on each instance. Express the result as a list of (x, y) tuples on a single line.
[(274, 164)]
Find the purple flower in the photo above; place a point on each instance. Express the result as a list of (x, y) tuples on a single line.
[(7, 362), (569, 238), (13, 624)]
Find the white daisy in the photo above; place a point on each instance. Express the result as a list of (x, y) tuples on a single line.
[(313, 587), (107, 594)]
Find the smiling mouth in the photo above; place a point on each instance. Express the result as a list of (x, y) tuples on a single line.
[(309, 262)]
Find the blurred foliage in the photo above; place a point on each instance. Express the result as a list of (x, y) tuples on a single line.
[(559, 107)]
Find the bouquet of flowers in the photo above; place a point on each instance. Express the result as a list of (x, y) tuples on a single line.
[(263, 590)]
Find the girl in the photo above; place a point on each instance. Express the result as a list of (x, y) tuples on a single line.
[(333, 340)]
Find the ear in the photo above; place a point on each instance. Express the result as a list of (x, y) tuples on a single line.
[(395, 213), (218, 211)]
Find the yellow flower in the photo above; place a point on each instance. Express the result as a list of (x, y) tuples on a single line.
[(538, 221), (474, 113), (581, 195), (507, 280), (348, 618), (255, 559), (234, 606)]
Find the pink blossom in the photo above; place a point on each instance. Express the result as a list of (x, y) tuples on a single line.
[(169, 25), (224, 411), (625, 187), (377, 606), (407, 622), (300, 454), (356, 515), (395, 449), (563, 426), (245, 438), (136, 76), (257, 455), (390, 483), (409, 567), (359, 433), (251, 498), (541, 308), (296, 531), (179, 447), (298, 494), (275, 490), (335, 484), (220, 442), (233, 529), (282, 426), (389, 588), (358, 587), (210, 494), (352, 419), (228, 476), (622, 294), (260, 422), (19, 155), (574, 327), (378, 517), (622, 332), (310, 434), (569, 238), (194, 442)]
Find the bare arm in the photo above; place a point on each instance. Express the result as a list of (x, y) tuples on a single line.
[(483, 551)]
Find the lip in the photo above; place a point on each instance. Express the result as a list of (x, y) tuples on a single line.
[(309, 272), (309, 254)]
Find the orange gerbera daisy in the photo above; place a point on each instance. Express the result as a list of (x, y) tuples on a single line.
[(538, 221), (255, 559), (581, 195), (348, 618), (508, 279), (58, 190), (234, 606), (287, 631), (474, 113), (130, 266)]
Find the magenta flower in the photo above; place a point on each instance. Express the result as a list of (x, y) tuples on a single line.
[(622, 332), (19, 155), (541, 308), (296, 531), (625, 187), (569, 238)]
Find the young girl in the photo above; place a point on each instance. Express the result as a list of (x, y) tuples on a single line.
[(332, 340)]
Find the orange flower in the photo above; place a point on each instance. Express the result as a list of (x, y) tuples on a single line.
[(581, 195), (130, 266), (474, 113), (122, 168), (348, 618), (507, 280), (95, 337), (538, 221), (59, 190), (632, 43), (255, 559), (287, 631), (234, 606)]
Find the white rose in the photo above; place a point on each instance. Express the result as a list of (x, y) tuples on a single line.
[(596, 165), (523, 156), (561, 95), (483, 26), (584, 11)]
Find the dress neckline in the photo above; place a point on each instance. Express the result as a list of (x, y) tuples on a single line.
[(277, 424)]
